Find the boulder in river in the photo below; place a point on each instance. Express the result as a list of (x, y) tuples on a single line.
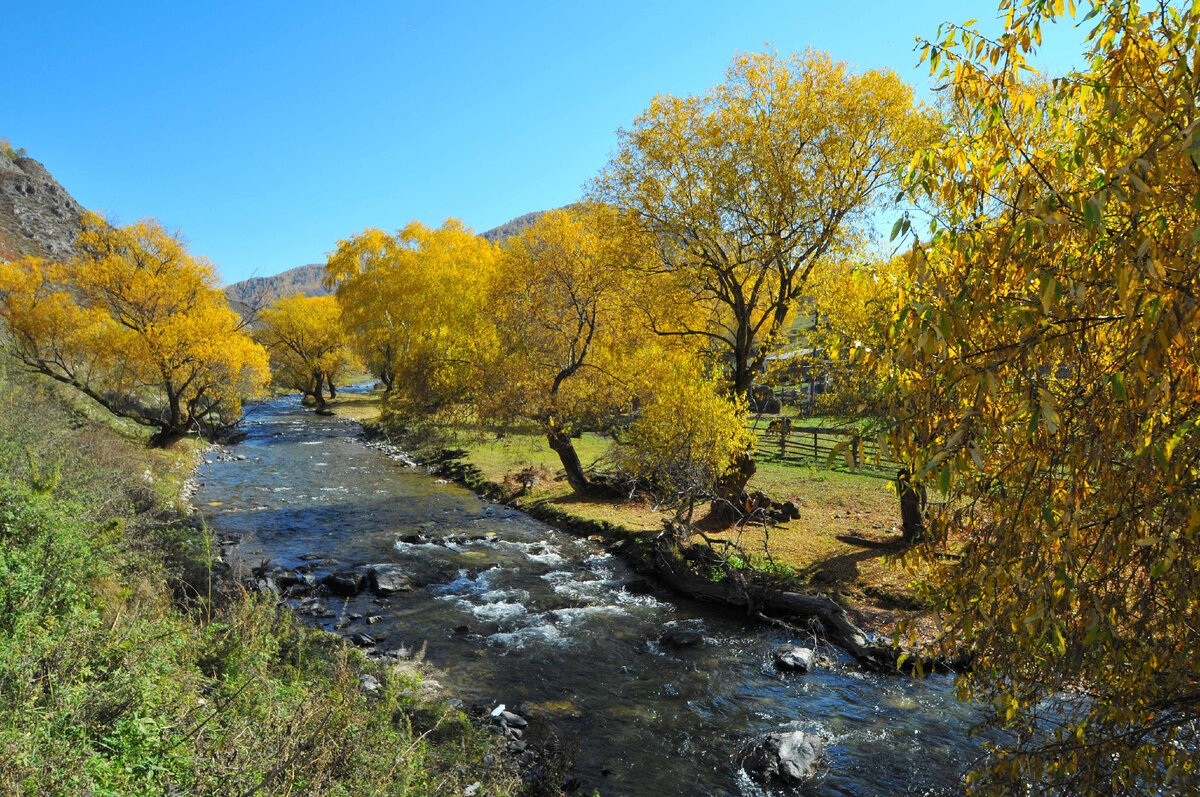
[(794, 658), (681, 637), (785, 758), (346, 583), (388, 579)]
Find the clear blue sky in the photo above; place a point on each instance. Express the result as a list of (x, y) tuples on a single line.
[(266, 131)]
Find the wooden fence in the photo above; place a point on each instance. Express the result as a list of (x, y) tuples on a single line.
[(780, 440)]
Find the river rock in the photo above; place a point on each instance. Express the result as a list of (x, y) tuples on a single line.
[(294, 582), (785, 758), (512, 720), (368, 683), (267, 586), (388, 580), (681, 638), (346, 583), (794, 658), (312, 606), (362, 640)]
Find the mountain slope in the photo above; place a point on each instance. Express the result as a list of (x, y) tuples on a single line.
[(508, 229), (37, 215), (261, 291)]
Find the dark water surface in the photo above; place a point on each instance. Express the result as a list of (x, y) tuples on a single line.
[(553, 627)]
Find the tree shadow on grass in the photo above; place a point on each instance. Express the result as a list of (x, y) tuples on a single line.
[(844, 567)]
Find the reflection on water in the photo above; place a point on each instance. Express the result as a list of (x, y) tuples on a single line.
[(515, 612)]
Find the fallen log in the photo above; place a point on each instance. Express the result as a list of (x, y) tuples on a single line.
[(771, 605)]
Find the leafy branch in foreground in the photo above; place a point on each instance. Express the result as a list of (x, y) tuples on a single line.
[(1048, 377)]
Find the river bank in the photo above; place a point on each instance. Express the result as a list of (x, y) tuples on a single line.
[(132, 663)]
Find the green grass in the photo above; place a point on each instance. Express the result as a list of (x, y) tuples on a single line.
[(825, 546), (126, 670)]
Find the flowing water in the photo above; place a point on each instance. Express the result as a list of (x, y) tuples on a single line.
[(513, 611)]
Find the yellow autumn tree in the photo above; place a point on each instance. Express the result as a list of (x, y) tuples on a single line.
[(849, 310), (359, 271), (687, 433), (1047, 377), (413, 304), (138, 324), (748, 187), (307, 344), (569, 349)]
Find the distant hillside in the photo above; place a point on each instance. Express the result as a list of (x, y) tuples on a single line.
[(499, 235), (37, 215), (261, 291)]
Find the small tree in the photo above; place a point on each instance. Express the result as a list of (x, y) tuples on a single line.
[(567, 355), (136, 323), (307, 344), (686, 437)]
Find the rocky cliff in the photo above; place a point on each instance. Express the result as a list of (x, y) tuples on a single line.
[(37, 215)]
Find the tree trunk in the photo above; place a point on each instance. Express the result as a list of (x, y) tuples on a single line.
[(913, 500), (332, 389), (561, 444), (319, 392), (165, 438)]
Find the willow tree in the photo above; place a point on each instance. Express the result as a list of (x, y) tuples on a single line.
[(1048, 378), (413, 306), (568, 347), (359, 272), (749, 186), (136, 323), (307, 344)]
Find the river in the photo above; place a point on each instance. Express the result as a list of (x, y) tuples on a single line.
[(512, 611)]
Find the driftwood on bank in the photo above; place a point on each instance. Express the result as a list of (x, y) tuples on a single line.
[(775, 605)]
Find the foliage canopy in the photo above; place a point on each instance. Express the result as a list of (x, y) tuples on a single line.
[(1047, 384), (413, 305), (749, 186)]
